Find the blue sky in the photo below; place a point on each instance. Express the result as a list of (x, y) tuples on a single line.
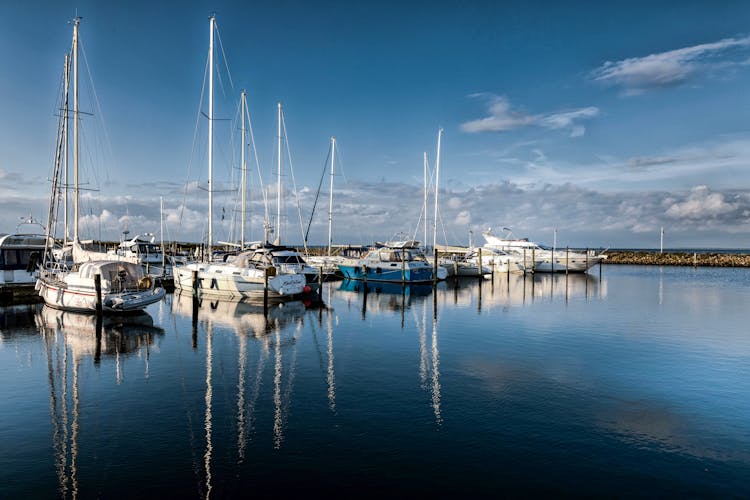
[(605, 121)]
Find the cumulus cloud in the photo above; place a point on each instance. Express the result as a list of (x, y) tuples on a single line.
[(638, 74), (701, 203), (503, 118)]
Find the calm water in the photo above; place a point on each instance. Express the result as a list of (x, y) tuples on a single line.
[(635, 384)]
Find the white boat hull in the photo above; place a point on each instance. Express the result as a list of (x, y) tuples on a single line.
[(82, 298), (230, 282)]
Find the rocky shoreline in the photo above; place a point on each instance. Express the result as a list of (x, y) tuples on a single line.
[(654, 258)]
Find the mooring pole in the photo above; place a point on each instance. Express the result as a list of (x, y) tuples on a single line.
[(552, 259), (587, 259), (524, 262), (403, 266), (480, 263), (98, 288), (265, 292), (435, 269), (567, 260)]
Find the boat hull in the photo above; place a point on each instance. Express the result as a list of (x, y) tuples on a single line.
[(82, 298), (390, 274), (225, 282)]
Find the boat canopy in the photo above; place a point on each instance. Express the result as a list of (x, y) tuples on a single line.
[(112, 270)]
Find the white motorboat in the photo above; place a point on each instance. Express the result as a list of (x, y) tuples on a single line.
[(144, 248), (546, 259), (21, 253)]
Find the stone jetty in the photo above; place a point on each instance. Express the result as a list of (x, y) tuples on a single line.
[(654, 258)]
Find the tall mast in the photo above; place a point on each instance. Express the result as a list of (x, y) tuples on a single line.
[(330, 197), (209, 243), (244, 169), (424, 208), (161, 234), (437, 178), (65, 149), (76, 22), (278, 180)]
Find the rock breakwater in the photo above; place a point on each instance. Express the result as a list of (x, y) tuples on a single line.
[(654, 258)]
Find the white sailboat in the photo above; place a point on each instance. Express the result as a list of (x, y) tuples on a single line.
[(241, 278), (328, 265), (123, 286)]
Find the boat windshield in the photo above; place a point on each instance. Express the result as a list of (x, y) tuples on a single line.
[(287, 259)]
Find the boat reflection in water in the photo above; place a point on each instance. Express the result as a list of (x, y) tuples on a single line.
[(112, 335), (69, 339), (518, 290), (383, 297), (275, 328), (243, 316)]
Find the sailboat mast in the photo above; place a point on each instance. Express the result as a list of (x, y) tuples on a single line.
[(161, 234), (330, 197), (278, 180), (65, 148), (209, 242), (76, 22), (244, 169), (424, 208), (437, 178)]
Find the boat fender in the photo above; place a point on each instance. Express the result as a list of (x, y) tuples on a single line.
[(145, 283)]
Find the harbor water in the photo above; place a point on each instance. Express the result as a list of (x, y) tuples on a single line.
[(634, 382)]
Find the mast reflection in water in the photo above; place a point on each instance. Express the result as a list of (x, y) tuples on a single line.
[(71, 339), (538, 385)]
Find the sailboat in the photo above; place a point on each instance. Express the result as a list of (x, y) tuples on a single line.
[(122, 285), (284, 259), (328, 265), (244, 277)]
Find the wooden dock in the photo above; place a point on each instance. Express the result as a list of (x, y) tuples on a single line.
[(13, 293)]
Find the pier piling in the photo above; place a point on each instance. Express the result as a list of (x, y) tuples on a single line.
[(435, 269), (98, 288)]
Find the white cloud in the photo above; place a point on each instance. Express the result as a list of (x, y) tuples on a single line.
[(637, 74), (463, 218), (502, 118), (701, 203), (454, 203)]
